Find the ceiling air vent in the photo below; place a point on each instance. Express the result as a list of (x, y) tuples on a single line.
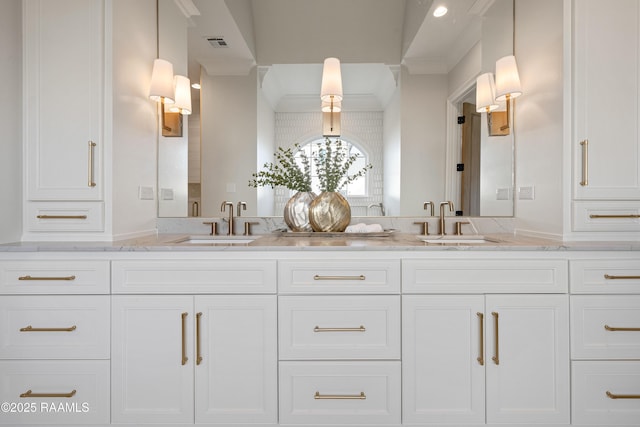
[(217, 42)]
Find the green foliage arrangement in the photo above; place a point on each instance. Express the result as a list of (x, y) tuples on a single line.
[(332, 164), (285, 171)]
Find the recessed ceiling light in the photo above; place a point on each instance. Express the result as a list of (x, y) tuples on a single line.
[(196, 85), (440, 11)]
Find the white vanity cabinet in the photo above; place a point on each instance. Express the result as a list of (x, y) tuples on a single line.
[(54, 341), (606, 147), (464, 354), (64, 85), (605, 341), (194, 358)]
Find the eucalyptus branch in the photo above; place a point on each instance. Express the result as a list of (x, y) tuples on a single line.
[(285, 171), (333, 164)]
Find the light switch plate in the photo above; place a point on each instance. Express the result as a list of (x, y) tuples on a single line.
[(145, 193), (526, 193)]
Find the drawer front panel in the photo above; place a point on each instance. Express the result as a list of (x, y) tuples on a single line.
[(615, 216), (366, 393), (606, 393), (65, 216), (54, 327), (605, 276), (203, 277), (339, 277), (55, 392), (344, 327), (605, 327), (54, 277), (484, 276)]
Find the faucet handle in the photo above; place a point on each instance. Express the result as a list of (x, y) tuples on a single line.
[(247, 227), (459, 225), (214, 227), (425, 227)]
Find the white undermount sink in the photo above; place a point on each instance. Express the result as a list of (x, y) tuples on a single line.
[(458, 240), (216, 240)]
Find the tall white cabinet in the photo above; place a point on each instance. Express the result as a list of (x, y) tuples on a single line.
[(606, 114), (64, 51)]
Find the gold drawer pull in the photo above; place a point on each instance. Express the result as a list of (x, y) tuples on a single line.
[(360, 396), (622, 396), (629, 216), (47, 278), (91, 181), (32, 329), (61, 217), (198, 355), (496, 350), (610, 277), (185, 359), (585, 162), (318, 277), (614, 329), (480, 358), (358, 329), (29, 393)]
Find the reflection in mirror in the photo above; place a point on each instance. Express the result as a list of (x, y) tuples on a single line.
[(406, 78)]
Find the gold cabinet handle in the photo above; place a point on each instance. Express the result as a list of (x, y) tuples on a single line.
[(360, 396), (32, 329), (480, 358), (198, 355), (61, 217), (318, 277), (358, 329), (627, 216), (615, 329), (184, 339), (622, 396), (91, 181), (610, 277), (585, 162), (496, 349), (29, 393), (67, 278)]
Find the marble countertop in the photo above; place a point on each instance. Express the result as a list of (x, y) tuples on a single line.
[(280, 242)]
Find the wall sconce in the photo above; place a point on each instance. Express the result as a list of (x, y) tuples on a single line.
[(172, 113), (507, 84), (331, 96)]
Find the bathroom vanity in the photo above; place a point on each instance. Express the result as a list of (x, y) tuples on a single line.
[(320, 331)]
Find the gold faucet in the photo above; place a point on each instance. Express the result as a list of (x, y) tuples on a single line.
[(441, 229), (242, 206), (222, 209), (428, 204)]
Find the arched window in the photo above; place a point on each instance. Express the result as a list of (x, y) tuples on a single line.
[(355, 188)]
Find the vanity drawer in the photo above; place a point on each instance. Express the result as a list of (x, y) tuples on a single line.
[(339, 277), (613, 216), (365, 393), (339, 327), (54, 277), (72, 392), (202, 277), (618, 276), (65, 216), (605, 327), (591, 381), (484, 276), (54, 327)]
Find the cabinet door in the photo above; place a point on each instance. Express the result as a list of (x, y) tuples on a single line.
[(443, 359), (607, 57), (527, 359), (151, 380), (63, 51), (236, 359)]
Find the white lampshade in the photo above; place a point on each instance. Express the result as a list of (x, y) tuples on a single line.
[(183, 96), (161, 89), (507, 78), (485, 93), (326, 106), (331, 80)]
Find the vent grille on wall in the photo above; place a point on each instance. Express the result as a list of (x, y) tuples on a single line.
[(217, 42)]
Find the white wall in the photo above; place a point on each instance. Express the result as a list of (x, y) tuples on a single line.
[(11, 122), (392, 154), (266, 146), (133, 132), (539, 115), (229, 133), (423, 130)]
